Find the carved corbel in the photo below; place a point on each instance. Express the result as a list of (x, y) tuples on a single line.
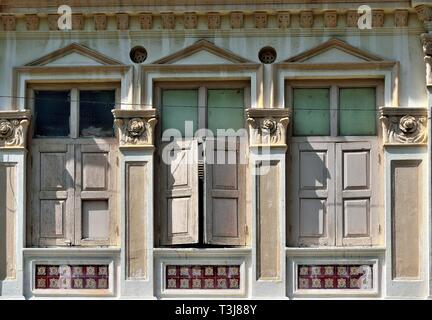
[(267, 126), (404, 126), (13, 128), (135, 128)]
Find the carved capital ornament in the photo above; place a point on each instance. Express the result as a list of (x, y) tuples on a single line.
[(404, 125), (13, 128), (135, 128), (267, 127)]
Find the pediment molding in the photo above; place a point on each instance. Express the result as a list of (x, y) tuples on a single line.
[(74, 49), (199, 47), (358, 55)]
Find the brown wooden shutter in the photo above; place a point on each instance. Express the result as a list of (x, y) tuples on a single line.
[(95, 185), (179, 194), (312, 195), (356, 196), (52, 193), (224, 193)]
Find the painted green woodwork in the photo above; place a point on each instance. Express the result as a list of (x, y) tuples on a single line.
[(311, 112), (225, 109), (179, 106), (357, 111)]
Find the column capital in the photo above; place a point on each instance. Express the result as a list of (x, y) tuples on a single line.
[(135, 128), (268, 127), (13, 128), (404, 125), (424, 13)]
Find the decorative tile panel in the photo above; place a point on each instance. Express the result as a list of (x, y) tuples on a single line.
[(69, 277), (202, 277), (335, 277)]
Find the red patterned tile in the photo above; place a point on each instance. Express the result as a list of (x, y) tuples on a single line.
[(71, 277), (202, 277), (335, 276)]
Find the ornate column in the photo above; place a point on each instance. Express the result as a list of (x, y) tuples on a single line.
[(268, 134), (135, 131), (405, 138), (13, 143)]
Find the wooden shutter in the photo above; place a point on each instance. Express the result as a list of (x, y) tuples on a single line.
[(52, 193), (312, 195), (357, 170), (95, 185), (179, 194), (225, 192)]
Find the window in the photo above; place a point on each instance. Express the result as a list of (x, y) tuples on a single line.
[(73, 175), (56, 113), (202, 189), (334, 165), (335, 109)]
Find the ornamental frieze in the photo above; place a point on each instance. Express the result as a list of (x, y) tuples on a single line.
[(305, 19), (13, 128), (267, 126), (135, 128), (404, 125)]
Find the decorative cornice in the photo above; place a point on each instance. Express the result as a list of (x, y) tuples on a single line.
[(189, 21), (135, 128), (13, 128), (404, 126), (267, 127)]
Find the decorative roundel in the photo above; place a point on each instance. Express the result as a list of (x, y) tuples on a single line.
[(267, 55), (138, 54)]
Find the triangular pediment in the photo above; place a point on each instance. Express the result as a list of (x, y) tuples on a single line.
[(74, 55), (202, 52), (334, 51)]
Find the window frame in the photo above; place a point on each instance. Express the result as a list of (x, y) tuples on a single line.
[(334, 85), (78, 143), (202, 87), (74, 88), (333, 143)]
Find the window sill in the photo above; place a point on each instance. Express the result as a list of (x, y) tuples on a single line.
[(325, 251), (178, 252), (71, 251)]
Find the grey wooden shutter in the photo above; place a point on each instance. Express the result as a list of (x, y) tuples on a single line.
[(95, 183), (356, 193), (312, 195), (179, 194), (52, 193), (224, 192)]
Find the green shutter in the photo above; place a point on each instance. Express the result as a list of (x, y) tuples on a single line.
[(225, 109), (311, 112), (179, 106), (357, 111)]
